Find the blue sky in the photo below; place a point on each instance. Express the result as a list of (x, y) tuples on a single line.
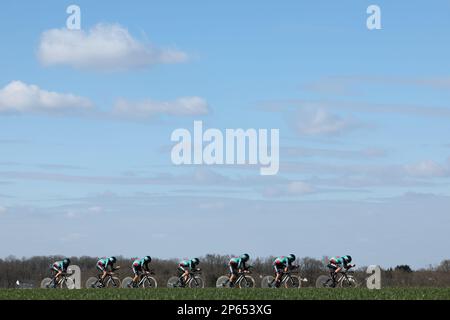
[(86, 118)]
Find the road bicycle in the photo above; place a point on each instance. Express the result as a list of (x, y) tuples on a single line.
[(64, 282), (244, 280), (344, 279), (194, 281), (146, 281), (288, 280), (110, 281)]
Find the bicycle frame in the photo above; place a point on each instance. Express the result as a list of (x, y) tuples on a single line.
[(191, 277), (108, 277), (64, 277), (144, 277), (344, 275), (341, 276), (241, 275), (285, 277)]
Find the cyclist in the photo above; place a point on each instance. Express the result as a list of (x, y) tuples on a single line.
[(106, 265), (336, 264), (139, 266), (281, 265), (237, 265), (187, 266), (59, 267)]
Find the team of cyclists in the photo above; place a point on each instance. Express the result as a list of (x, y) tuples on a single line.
[(236, 266)]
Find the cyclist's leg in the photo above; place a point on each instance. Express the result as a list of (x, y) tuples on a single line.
[(332, 269), (54, 272), (183, 275), (102, 274), (57, 272), (136, 272), (186, 276), (233, 274), (278, 274)]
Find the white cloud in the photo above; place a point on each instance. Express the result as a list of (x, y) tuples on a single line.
[(2, 210), (19, 97), (318, 121), (427, 169), (186, 106), (107, 47)]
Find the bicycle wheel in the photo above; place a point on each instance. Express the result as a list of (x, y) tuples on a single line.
[(174, 282), (268, 282), (150, 283), (67, 283), (324, 281), (293, 282), (196, 282), (247, 282), (93, 283), (112, 282), (45, 284), (223, 282), (348, 282), (126, 283)]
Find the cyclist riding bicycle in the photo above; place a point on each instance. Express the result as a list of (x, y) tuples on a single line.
[(237, 265), (336, 264), (106, 265), (60, 267), (187, 266), (282, 265), (139, 266)]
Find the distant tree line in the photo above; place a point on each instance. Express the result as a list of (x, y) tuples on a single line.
[(30, 271)]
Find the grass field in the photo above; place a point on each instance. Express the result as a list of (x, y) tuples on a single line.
[(224, 294)]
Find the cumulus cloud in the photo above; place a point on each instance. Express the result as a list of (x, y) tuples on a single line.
[(107, 47), (185, 106), (19, 97), (319, 121)]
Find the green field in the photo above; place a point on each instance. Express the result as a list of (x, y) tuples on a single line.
[(226, 294)]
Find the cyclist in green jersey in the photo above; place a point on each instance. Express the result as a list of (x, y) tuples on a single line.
[(58, 268), (187, 266), (281, 265), (139, 266), (106, 265), (237, 265), (336, 264)]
